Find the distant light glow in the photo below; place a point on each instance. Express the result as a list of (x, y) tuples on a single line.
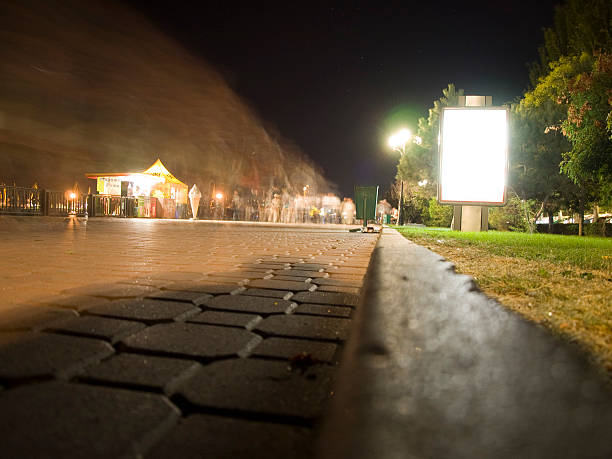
[(72, 195), (398, 140), (219, 195), (473, 156)]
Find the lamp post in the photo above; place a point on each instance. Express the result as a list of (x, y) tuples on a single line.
[(398, 142)]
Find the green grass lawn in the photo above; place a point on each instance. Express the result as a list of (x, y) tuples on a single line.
[(583, 252)]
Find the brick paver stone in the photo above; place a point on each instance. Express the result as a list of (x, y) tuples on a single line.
[(267, 293), (203, 287), (34, 318), (333, 298), (57, 419), (216, 437), (112, 290), (196, 298), (338, 289), (193, 340), (77, 302), (35, 355), (311, 266), (280, 285), (338, 282), (286, 348), (265, 387), (178, 276), (112, 330), (147, 372), (236, 319), (306, 327), (323, 310), (244, 303), (299, 273), (146, 310)]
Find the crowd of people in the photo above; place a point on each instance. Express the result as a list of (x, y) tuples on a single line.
[(280, 206)]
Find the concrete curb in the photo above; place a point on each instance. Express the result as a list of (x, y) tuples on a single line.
[(434, 368)]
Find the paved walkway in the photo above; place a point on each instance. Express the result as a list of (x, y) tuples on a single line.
[(171, 338)]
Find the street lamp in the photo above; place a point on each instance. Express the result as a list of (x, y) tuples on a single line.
[(398, 142)]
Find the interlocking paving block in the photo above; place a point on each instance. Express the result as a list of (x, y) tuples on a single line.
[(339, 299), (280, 285), (196, 298), (262, 266), (323, 310), (112, 290), (349, 276), (193, 340), (77, 302), (159, 283), (251, 385), (310, 266), (33, 318), (58, 419), (204, 287), (229, 280), (36, 355), (286, 348), (227, 438), (306, 327), (322, 259), (338, 282), (146, 310), (282, 259), (244, 303), (142, 371), (338, 289), (177, 276), (280, 277), (267, 293), (239, 274), (112, 330), (236, 319), (299, 273), (346, 270)]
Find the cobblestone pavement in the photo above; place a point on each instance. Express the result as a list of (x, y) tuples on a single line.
[(159, 338)]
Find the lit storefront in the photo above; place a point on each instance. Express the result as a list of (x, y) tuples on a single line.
[(154, 192)]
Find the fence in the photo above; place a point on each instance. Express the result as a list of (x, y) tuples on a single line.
[(21, 201)]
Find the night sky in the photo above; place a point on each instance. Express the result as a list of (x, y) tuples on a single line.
[(339, 80)]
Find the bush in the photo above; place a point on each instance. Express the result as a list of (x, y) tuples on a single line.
[(571, 229), (439, 215), (511, 217)]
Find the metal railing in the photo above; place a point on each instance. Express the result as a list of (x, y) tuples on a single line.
[(37, 201), (21, 201), (112, 206)]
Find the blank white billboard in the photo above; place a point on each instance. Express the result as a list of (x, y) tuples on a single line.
[(473, 156)]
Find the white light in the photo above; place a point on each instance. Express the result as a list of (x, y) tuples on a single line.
[(399, 139), (72, 195), (219, 195), (473, 156)]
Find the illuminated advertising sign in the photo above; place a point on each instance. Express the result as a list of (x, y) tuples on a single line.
[(473, 156)]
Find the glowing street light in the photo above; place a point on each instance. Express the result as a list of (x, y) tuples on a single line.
[(398, 142)]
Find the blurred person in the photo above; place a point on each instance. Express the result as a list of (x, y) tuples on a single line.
[(348, 211), (236, 206), (383, 209)]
